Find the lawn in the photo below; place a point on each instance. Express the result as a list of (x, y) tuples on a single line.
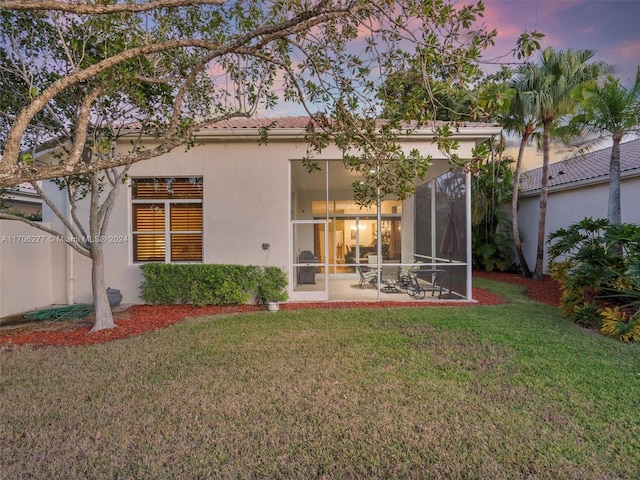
[(489, 392)]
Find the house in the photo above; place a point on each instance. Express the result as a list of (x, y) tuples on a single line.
[(23, 199), (578, 188), (232, 200)]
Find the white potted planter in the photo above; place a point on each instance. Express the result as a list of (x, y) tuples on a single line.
[(273, 306)]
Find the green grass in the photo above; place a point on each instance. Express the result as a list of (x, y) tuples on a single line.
[(496, 392)]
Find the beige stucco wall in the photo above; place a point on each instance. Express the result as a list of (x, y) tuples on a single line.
[(32, 267), (247, 202), (569, 206)]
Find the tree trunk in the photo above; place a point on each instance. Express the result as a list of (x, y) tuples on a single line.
[(104, 317), (614, 214), (544, 187), (514, 209), (102, 309)]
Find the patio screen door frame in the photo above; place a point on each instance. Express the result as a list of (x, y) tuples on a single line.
[(321, 292)]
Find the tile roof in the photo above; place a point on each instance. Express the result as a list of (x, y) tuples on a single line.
[(589, 166), (275, 122), (300, 122)]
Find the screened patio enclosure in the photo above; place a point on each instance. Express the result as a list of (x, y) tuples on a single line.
[(395, 250)]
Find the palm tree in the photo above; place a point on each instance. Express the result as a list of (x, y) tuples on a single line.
[(547, 86), (608, 109), (521, 120)]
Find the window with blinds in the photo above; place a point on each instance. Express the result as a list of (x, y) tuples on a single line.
[(167, 219)]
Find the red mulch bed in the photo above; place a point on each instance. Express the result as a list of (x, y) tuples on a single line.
[(139, 319), (545, 291)]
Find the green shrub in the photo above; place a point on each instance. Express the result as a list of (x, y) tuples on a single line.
[(588, 315), (198, 284), (271, 285)]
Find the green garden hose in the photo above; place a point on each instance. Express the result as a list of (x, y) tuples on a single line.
[(68, 312)]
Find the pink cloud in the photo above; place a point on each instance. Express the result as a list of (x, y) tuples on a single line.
[(627, 51), (551, 9), (507, 28), (588, 30), (625, 59)]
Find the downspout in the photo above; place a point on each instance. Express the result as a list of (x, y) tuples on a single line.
[(70, 264), (467, 197)]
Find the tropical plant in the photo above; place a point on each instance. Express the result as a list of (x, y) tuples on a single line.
[(573, 293), (588, 314), (492, 246), (608, 109), (590, 261), (620, 325), (546, 87), (597, 262)]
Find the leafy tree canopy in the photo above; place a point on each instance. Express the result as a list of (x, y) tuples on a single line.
[(76, 76)]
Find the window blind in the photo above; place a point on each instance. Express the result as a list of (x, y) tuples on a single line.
[(160, 188), (167, 221)]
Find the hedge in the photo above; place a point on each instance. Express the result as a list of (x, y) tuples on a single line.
[(199, 284)]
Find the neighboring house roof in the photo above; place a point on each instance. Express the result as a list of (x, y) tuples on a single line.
[(592, 167), (22, 197), (23, 191)]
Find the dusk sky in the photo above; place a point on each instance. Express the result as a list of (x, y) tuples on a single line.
[(611, 27)]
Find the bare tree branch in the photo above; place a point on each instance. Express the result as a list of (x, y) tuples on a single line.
[(104, 212), (72, 196), (60, 237), (73, 232), (80, 135)]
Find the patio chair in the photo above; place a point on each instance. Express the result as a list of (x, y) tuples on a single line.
[(367, 275), (434, 278)]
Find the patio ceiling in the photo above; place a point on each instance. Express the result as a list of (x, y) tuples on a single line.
[(341, 178)]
